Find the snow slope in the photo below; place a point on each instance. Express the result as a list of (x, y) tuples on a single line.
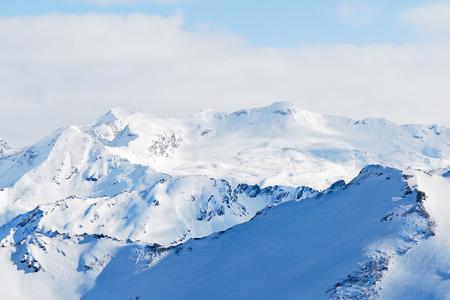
[(337, 246)]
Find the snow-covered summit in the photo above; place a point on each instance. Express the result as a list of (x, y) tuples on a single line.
[(114, 114), (281, 108)]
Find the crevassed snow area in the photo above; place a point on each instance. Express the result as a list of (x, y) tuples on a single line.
[(336, 246)]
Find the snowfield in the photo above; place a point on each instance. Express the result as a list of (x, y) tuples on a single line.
[(271, 202)]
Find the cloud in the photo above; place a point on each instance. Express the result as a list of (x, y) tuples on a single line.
[(432, 18), (60, 69), (356, 12)]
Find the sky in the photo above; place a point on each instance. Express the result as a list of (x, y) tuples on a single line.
[(66, 62)]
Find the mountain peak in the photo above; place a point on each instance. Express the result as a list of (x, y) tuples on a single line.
[(283, 108), (3, 146), (114, 114)]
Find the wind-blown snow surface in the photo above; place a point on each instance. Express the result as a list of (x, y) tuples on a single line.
[(106, 207)]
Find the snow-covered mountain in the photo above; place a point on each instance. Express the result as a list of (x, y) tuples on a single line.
[(228, 202)]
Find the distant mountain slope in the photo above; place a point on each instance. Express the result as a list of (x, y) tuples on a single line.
[(250, 145), (274, 145), (168, 213)]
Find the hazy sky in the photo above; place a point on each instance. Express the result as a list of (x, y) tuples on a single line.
[(69, 61)]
